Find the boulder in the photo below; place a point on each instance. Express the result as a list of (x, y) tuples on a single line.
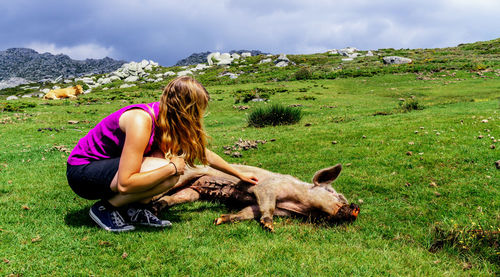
[(281, 64), (246, 54), (127, 85), (235, 56), (213, 57), (88, 80), (333, 51), (369, 54), (29, 95), (104, 81), (225, 56), (114, 78), (396, 60), (184, 73), (268, 60), (12, 97), (168, 73), (282, 58), (45, 90), (131, 79), (225, 62)]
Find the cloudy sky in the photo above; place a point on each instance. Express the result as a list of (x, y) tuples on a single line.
[(166, 30)]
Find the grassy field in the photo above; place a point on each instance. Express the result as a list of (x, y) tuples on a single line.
[(427, 184)]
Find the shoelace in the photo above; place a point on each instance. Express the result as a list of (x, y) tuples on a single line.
[(149, 215), (117, 219)]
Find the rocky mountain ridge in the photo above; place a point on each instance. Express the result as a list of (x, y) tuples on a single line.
[(30, 65), (197, 58)]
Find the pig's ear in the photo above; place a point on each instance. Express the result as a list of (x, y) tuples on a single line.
[(325, 176)]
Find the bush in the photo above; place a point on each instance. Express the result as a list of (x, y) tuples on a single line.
[(16, 107), (409, 105), (303, 74), (273, 115)]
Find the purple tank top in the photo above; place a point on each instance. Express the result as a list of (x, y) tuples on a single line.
[(106, 139)]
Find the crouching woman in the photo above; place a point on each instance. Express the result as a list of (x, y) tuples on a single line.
[(140, 151)]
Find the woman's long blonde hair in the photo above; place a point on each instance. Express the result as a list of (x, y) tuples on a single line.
[(180, 120)]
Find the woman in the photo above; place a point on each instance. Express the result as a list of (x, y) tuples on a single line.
[(116, 161)]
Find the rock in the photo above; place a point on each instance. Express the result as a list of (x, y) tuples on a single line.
[(282, 58), (347, 59), (235, 56), (114, 78), (68, 81), (12, 97), (169, 73), (347, 51), (369, 54), (56, 87), (268, 60), (104, 81), (497, 164), (334, 142), (131, 79), (282, 64), (12, 82), (88, 80), (246, 54), (225, 62), (127, 85), (396, 60), (230, 75), (184, 73), (236, 154), (45, 90), (333, 51), (26, 96), (213, 57), (484, 121)]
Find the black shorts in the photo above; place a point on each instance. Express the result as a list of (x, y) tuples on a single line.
[(92, 181)]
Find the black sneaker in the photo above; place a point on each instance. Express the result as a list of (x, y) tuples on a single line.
[(108, 217), (139, 214)]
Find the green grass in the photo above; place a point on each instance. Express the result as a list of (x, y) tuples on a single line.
[(45, 228)]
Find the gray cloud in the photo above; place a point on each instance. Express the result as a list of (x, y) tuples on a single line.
[(167, 31)]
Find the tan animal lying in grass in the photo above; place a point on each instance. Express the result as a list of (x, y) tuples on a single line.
[(276, 194), (69, 92)]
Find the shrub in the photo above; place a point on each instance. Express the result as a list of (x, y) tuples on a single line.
[(303, 74), (409, 105), (16, 107), (273, 115)]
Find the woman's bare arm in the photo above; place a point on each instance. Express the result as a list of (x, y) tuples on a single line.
[(137, 126), (218, 163)]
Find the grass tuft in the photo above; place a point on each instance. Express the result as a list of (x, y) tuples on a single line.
[(273, 115)]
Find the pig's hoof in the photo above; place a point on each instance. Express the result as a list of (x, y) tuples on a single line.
[(222, 219), (158, 206), (267, 224)]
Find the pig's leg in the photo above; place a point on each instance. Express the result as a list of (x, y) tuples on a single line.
[(266, 199), (180, 197), (247, 213)]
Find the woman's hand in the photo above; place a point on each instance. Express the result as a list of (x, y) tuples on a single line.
[(179, 164), (248, 177)]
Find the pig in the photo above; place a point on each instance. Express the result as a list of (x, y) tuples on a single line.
[(275, 194)]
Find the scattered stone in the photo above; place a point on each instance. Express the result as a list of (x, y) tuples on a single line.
[(334, 142), (127, 85), (408, 184), (416, 132), (437, 194), (281, 64), (73, 121), (131, 79), (497, 164), (492, 146), (241, 108), (411, 143), (363, 136), (360, 201), (466, 265), (124, 255), (236, 154), (12, 97), (484, 121), (184, 73), (268, 60), (433, 185), (409, 153), (480, 137), (295, 105), (396, 60), (438, 133), (348, 164)]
